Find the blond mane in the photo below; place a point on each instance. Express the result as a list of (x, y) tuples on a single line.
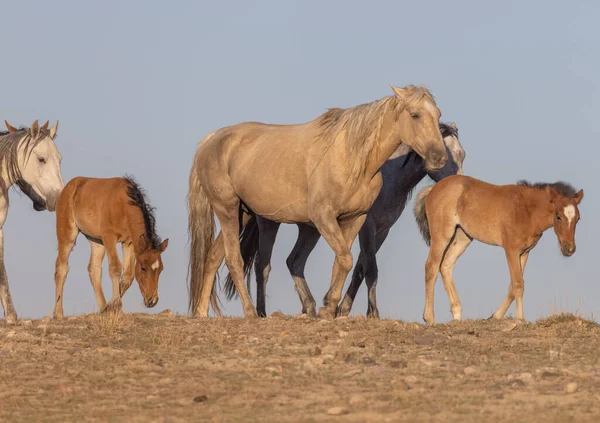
[(361, 125)]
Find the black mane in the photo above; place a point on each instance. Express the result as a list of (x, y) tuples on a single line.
[(138, 198), (448, 130), (563, 188)]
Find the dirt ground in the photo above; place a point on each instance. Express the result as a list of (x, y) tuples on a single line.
[(136, 367)]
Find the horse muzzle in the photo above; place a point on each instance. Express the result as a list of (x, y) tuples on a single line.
[(435, 159), (151, 302)]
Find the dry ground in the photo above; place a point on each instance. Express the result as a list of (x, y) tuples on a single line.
[(170, 369)]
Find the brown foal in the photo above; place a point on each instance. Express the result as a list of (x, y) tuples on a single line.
[(459, 209), (109, 211)]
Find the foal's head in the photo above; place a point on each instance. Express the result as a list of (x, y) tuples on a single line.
[(564, 202), (148, 267), (456, 154)]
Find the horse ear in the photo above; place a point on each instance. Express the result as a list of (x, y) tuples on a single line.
[(163, 245), (579, 197), (45, 125), (400, 92), (552, 194), (10, 127), (142, 243), (35, 129), (453, 125), (53, 130)]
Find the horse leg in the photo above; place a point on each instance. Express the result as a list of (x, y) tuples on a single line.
[(66, 231), (10, 316), (358, 275), (296, 263), (129, 269), (340, 240), (439, 243), (455, 250), (95, 272), (267, 230), (115, 270), (227, 209), (216, 254), (510, 297)]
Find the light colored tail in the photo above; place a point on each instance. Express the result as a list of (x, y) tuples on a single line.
[(421, 214), (201, 232)]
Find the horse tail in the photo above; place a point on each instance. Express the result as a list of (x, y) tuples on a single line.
[(201, 232), (421, 214), (249, 248)]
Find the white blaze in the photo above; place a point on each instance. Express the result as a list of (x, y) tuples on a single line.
[(155, 265), (569, 213)]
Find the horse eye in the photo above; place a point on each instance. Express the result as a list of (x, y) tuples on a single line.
[(558, 218), (415, 115), (143, 269), (41, 160)]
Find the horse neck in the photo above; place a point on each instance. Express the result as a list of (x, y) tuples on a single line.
[(389, 139), (541, 214), (137, 227), (403, 174)]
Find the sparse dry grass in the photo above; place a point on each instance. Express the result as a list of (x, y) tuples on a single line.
[(136, 367)]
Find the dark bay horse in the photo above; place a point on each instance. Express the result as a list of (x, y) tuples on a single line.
[(459, 209), (109, 211), (28, 158), (400, 176), (326, 171)]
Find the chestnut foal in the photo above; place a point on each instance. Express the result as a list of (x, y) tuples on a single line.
[(459, 209), (108, 211)]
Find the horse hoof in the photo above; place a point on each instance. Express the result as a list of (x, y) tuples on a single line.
[(11, 319), (325, 313), (113, 307)]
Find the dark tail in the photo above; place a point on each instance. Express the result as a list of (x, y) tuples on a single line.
[(421, 214), (201, 230), (249, 247)]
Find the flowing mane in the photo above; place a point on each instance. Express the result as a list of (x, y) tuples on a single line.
[(9, 149), (563, 188), (362, 124), (448, 131), (138, 198)]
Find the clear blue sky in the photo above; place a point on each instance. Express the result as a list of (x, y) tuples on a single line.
[(137, 84)]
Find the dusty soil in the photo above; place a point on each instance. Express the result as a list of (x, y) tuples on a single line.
[(170, 369)]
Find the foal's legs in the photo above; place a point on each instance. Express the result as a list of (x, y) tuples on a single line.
[(129, 270), (296, 263), (66, 231), (95, 271), (267, 232), (457, 247), (115, 270), (340, 240), (512, 293), (440, 238)]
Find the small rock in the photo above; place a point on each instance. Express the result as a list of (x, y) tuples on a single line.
[(200, 398), (341, 318), (302, 316), (572, 387), (357, 400), (166, 313), (46, 319), (26, 322), (470, 370), (410, 379), (337, 411), (525, 377), (11, 333), (277, 314), (342, 334), (361, 345), (352, 373)]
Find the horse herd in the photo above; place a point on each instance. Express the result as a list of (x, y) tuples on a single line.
[(348, 172)]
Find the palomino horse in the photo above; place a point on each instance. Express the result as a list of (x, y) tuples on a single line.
[(459, 209), (30, 159), (400, 176), (325, 172), (108, 211)]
